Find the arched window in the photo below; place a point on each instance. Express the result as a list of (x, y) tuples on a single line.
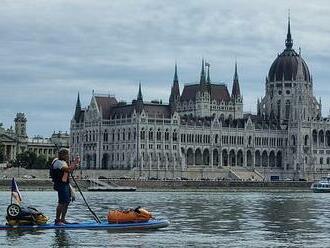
[(287, 109), (216, 139), (143, 134), (105, 136), (159, 135), (293, 140), (314, 137), (175, 136), (167, 135), (327, 138), (306, 140), (151, 134), (321, 137)]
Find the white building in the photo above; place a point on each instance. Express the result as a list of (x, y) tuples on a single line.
[(14, 142), (204, 127)]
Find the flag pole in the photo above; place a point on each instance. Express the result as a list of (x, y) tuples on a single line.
[(11, 193)]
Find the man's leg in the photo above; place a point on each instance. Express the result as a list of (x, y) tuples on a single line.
[(59, 212), (64, 210), (67, 199)]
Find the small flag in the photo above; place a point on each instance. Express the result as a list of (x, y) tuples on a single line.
[(15, 191), (207, 64)]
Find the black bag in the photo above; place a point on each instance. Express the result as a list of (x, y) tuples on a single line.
[(52, 171)]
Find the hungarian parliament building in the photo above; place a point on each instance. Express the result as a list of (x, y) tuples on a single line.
[(203, 128)]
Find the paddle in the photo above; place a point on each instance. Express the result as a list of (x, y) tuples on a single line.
[(94, 215)]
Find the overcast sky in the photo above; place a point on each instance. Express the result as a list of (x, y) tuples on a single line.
[(51, 50)]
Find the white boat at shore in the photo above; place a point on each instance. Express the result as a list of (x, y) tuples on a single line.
[(98, 185), (321, 186)]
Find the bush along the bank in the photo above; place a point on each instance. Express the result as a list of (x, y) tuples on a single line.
[(30, 160)]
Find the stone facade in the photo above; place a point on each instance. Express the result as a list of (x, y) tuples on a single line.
[(16, 141), (204, 127)]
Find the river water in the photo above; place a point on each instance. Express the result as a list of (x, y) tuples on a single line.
[(198, 219)]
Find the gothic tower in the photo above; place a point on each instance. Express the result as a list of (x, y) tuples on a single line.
[(289, 99), (139, 100), (175, 92), (203, 95), (20, 126), (236, 96), (78, 109)]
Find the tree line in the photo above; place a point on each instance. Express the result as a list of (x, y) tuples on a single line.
[(30, 160)]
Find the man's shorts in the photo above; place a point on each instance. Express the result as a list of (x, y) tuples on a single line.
[(64, 193)]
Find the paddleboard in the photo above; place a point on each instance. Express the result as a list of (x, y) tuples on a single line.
[(151, 224)]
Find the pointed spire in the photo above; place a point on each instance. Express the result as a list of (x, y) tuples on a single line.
[(208, 80), (139, 96), (78, 109), (176, 74), (236, 90), (288, 41), (78, 104), (175, 90), (235, 74), (203, 80), (139, 100)]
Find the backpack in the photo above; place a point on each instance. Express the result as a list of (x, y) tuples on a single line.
[(52, 173)]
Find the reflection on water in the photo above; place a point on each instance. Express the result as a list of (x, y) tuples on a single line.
[(202, 219), (61, 238)]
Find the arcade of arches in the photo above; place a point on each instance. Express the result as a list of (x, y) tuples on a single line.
[(232, 157)]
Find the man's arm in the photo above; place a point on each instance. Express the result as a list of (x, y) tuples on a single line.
[(74, 164)]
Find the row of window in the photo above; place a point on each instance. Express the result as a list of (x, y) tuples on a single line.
[(42, 151), (196, 138), (121, 157), (323, 160), (266, 141)]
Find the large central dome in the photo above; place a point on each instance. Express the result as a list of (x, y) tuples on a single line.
[(286, 64)]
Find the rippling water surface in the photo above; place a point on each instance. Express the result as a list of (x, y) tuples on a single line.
[(198, 219)]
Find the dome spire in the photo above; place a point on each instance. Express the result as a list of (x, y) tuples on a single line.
[(289, 41)]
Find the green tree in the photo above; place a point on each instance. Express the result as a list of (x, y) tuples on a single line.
[(40, 162), (25, 159)]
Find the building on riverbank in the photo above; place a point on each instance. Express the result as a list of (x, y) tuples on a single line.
[(204, 127), (16, 141)]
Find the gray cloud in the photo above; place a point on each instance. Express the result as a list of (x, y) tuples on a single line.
[(50, 50)]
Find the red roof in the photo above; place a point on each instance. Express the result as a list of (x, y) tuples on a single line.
[(219, 92), (105, 103)]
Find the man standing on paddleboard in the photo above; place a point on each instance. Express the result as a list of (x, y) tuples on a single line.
[(60, 173)]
